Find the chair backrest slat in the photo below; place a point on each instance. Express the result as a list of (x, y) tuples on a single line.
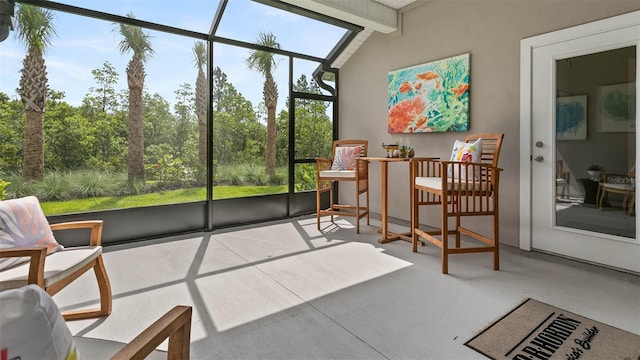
[(491, 144)]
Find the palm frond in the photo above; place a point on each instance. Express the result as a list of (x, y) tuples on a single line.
[(135, 40), (199, 54), (261, 60), (35, 27)]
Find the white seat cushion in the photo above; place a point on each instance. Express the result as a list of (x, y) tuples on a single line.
[(56, 266), (90, 348), (436, 183), (343, 174), (620, 187)]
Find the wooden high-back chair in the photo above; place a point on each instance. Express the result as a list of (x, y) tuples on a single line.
[(345, 165), (29, 254), (460, 189)]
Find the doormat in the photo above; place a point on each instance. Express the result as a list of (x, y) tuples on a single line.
[(538, 331)]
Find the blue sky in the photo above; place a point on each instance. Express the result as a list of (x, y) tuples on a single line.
[(84, 44)]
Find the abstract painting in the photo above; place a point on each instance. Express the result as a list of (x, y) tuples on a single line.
[(571, 118), (617, 108), (431, 97)]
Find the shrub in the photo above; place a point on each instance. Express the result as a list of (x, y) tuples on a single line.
[(305, 177), (54, 186), (171, 172), (278, 179), (3, 191), (18, 187), (236, 179), (95, 183)]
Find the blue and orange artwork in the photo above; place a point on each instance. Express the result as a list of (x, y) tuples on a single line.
[(430, 97)]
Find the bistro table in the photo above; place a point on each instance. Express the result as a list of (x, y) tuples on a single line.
[(388, 236)]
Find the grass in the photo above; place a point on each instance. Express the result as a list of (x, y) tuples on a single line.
[(89, 190), (157, 198)]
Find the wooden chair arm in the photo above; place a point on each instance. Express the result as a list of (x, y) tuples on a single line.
[(174, 325), (484, 173), (428, 159), (483, 165), (94, 225), (36, 263)]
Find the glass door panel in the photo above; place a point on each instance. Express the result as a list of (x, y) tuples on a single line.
[(596, 142), (313, 138)]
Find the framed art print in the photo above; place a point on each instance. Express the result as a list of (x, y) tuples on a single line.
[(617, 108), (431, 97), (571, 118)]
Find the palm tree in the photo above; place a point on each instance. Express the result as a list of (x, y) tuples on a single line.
[(34, 29), (264, 62), (200, 58), (136, 41)]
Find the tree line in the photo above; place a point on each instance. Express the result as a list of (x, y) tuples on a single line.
[(94, 134), (139, 132)]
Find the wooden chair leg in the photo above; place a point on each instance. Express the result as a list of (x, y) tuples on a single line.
[(368, 207), (318, 207), (415, 218), (599, 197), (445, 236), (331, 200), (104, 289), (496, 242), (624, 201), (357, 210), (457, 231)]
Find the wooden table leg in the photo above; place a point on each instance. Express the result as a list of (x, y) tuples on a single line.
[(388, 236), (384, 167)]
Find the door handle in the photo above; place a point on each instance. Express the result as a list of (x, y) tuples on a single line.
[(538, 158)]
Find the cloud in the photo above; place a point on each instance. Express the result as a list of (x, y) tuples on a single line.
[(94, 44)]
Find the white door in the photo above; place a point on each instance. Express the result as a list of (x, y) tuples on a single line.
[(571, 77)]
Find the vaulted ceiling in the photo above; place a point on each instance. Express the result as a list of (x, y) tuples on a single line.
[(372, 15)]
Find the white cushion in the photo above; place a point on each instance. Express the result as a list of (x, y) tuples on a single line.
[(346, 174), (436, 183), (32, 327), (105, 349), (56, 266), (621, 187)]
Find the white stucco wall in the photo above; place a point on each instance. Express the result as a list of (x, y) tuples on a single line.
[(490, 30)]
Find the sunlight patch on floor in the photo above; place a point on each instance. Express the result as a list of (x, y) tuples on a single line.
[(247, 294)]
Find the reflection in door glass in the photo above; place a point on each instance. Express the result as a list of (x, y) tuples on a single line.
[(596, 142)]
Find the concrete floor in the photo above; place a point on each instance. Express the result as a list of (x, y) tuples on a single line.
[(284, 290)]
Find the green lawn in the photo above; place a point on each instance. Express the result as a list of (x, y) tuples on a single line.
[(158, 198)]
